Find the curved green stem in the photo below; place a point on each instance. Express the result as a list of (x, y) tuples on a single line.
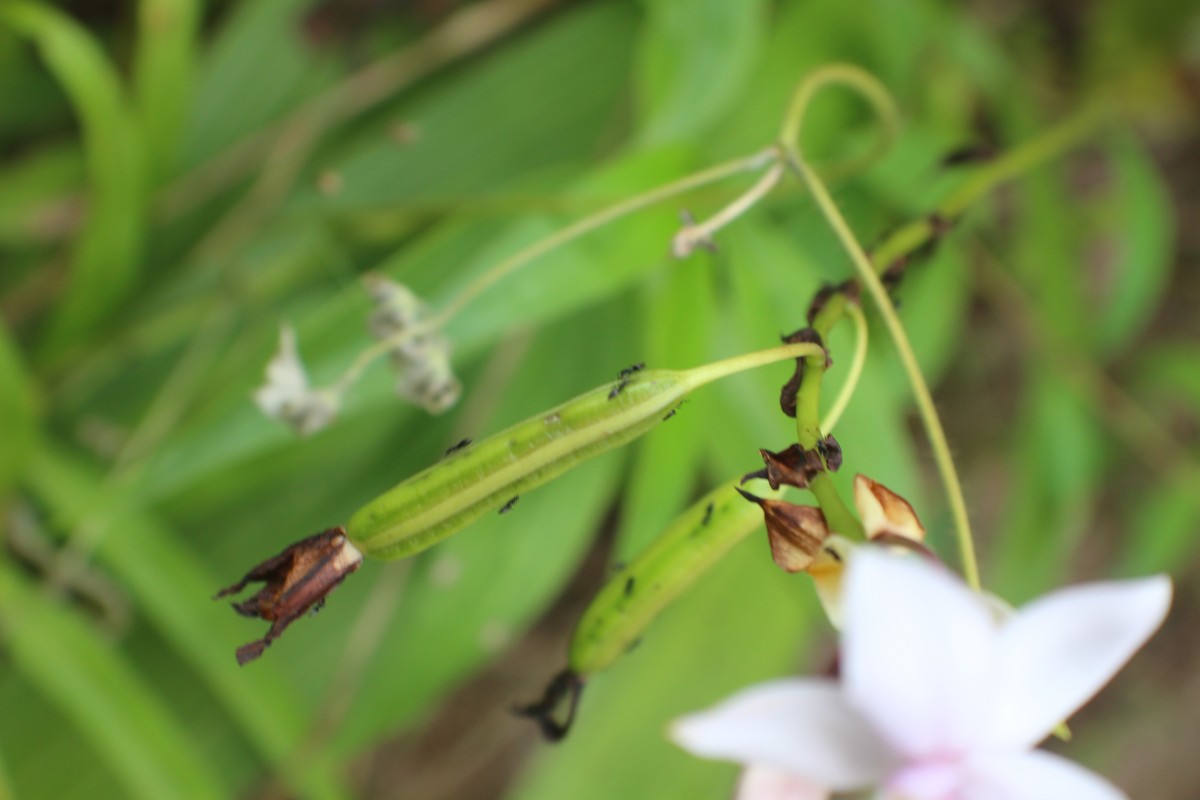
[(861, 82), (539, 248), (834, 414), (929, 415), (1012, 164), (714, 371)]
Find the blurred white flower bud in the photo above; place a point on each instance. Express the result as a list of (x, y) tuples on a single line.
[(286, 395), (422, 362)]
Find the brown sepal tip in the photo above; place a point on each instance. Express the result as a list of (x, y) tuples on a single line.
[(795, 466), (795, 532), (296, 581), (885, 512)]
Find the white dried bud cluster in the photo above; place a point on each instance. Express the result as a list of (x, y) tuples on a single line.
[(287, 396), (425, 375)]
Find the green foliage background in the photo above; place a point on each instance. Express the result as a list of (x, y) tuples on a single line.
[(179, 179)]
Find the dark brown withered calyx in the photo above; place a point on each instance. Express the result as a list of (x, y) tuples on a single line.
[(787, 393), (796, 466), (827, 293), (296, 580), (795, 532)]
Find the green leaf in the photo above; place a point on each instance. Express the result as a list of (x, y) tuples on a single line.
[(164, 65), (172, 589), (107, 255), (546, 99), (18, 417), (682, 88), (36, 191), (1138, 224), (94, 686), (261, 38), (1161, 531)]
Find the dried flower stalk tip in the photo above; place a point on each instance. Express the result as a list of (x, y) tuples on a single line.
[(296, 580), (795, 532), (425, 375), (885, 512), (286, 394), (794, 466), (787, 393)]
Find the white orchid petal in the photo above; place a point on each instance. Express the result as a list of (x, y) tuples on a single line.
[(918, 654), (1058, 651), (1034, 775), (767, 783), (801, 726)]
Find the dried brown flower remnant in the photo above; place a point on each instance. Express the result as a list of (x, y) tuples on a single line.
[(796, 466), (885, 512), (795, 532), (787, 393), (296, 580)]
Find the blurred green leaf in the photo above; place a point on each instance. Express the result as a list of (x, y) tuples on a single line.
[(172, 589), (682, 89), (18, 415), (1160, 532), (262, 38), (102, 694), (745, 622), (1138, 225), (164, 64), (108, 251), (39, 195), (548, 98)]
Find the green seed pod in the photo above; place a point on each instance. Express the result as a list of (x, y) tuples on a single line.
[(484, 476), (626, 606)]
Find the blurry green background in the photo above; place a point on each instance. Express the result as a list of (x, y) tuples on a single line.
[(178, 178)]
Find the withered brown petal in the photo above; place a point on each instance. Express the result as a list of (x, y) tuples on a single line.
[(787, 393), (883, 511), (831, 451), (296, 580), (827, 292), (795, 532), (794, 466)]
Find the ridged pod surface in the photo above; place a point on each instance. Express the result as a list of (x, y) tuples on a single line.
[(624, 608), (483, 476)]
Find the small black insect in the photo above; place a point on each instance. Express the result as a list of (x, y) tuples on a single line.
[(708, 514), (629, 582), (638, 367), (670, 414), (623, 378), (457, 447), (507, 507)]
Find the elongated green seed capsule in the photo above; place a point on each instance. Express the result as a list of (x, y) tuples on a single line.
[(441, 500), (624, 608)]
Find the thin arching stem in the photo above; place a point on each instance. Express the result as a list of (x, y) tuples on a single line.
[(924, 400), (873, 91), (516, 261), (834, 414)]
